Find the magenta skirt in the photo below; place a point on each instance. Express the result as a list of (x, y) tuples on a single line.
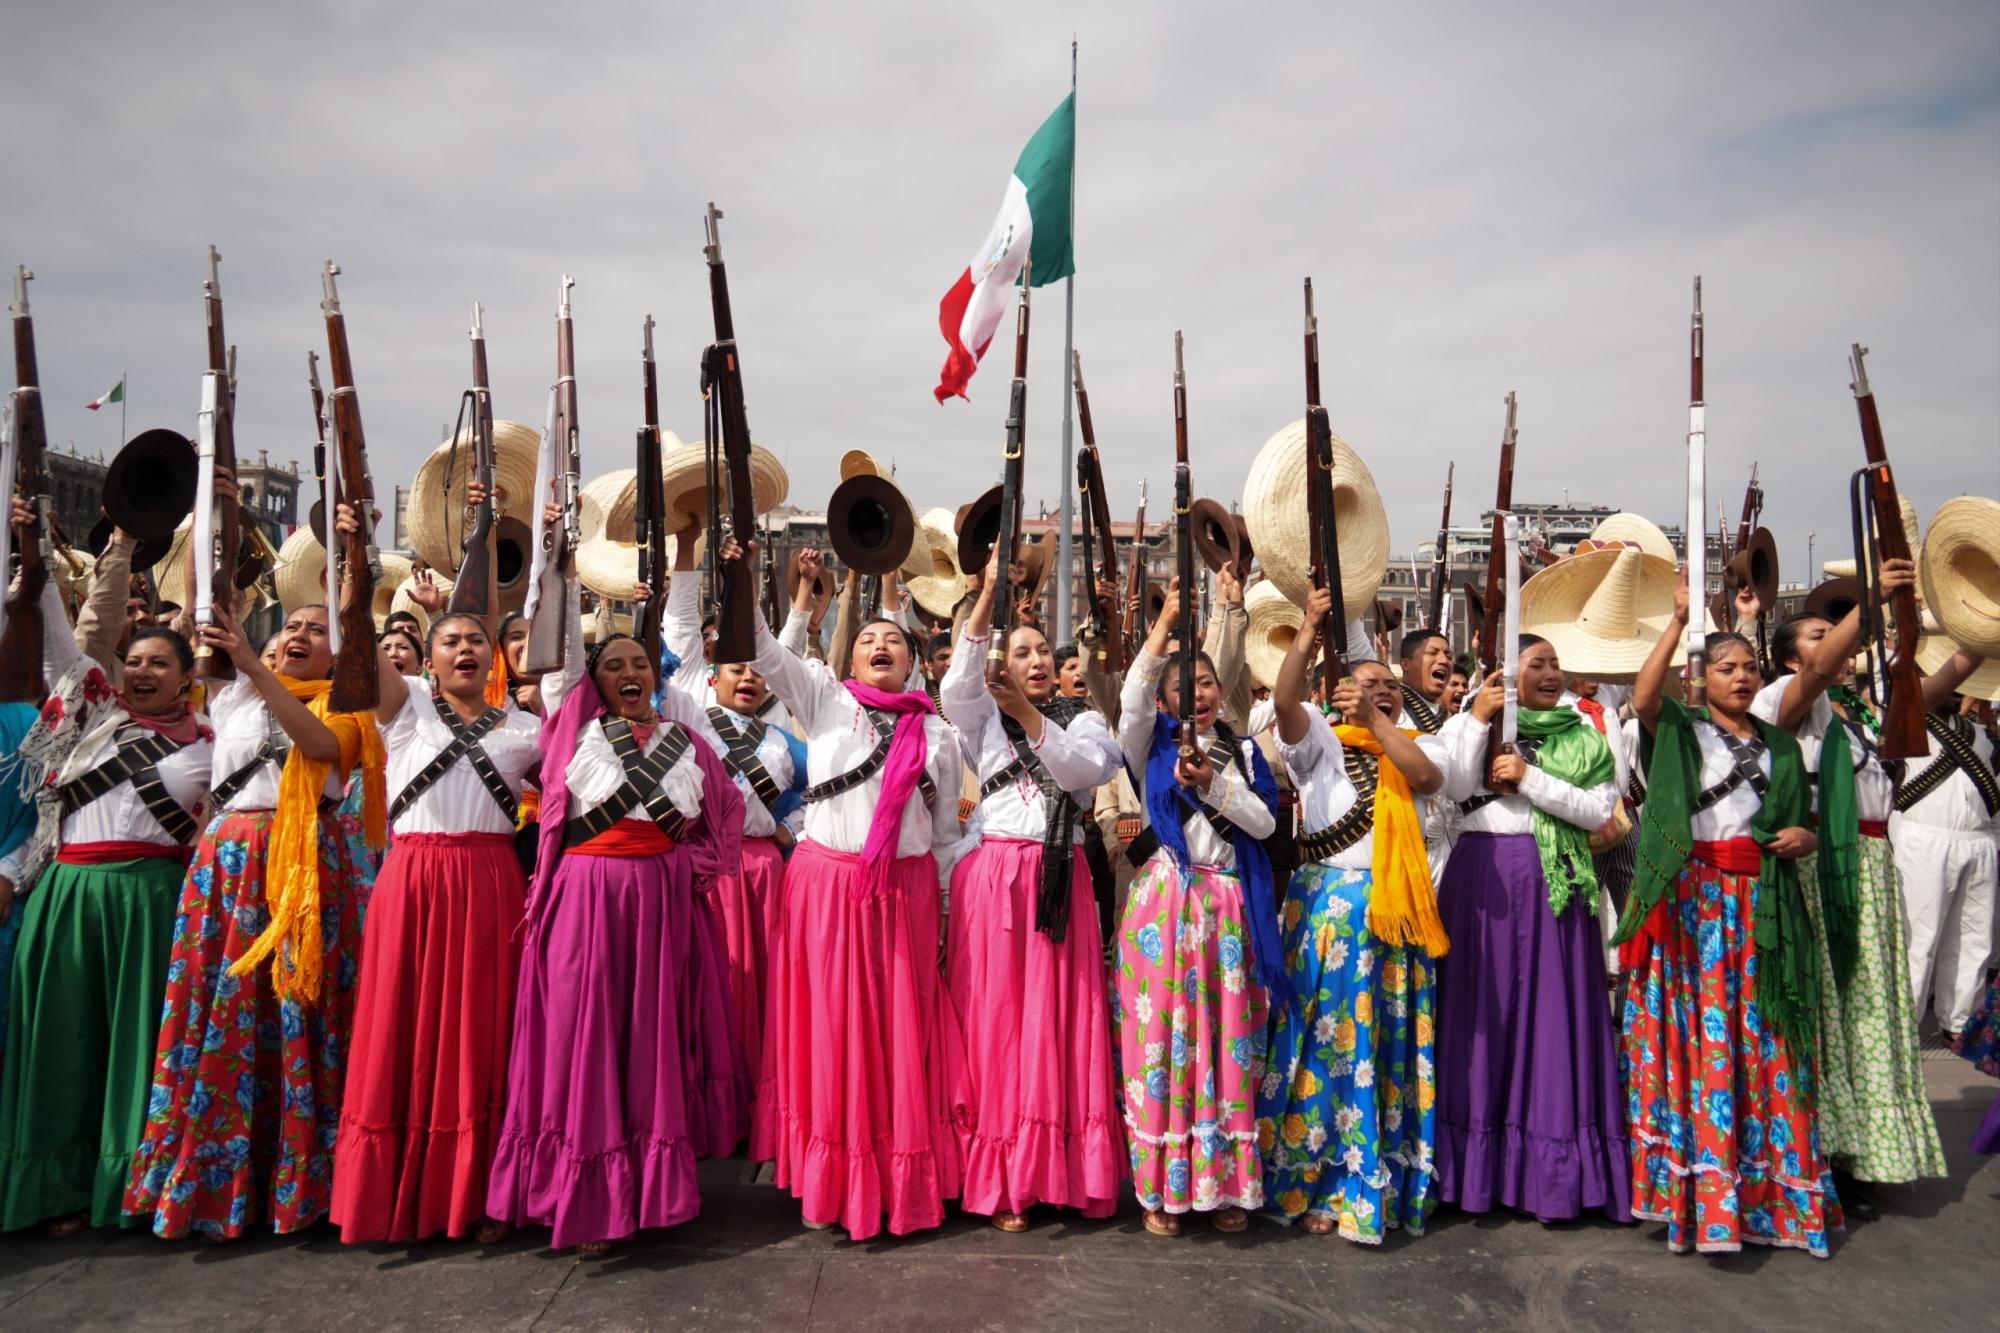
[(747, 911), (625, 1066), (860, 1095), (1042, 1121)]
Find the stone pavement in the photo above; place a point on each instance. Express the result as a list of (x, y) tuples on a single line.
[(1931, 1263)]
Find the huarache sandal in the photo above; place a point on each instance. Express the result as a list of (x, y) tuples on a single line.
[(1162, 1223), (1010, 1222), (67, 1226), (492, 1231), (1317, 1223), (1231, 1219), (595, 1249)]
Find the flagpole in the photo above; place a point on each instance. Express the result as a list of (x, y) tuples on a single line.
[(1069, 398), (124, 392)]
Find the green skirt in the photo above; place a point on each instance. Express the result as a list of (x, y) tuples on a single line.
[(89, 973)]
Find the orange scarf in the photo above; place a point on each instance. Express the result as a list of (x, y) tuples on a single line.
[(1402, 905), (291, 867)]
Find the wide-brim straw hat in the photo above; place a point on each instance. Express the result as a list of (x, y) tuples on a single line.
[(1960, 572), (1602, 611), (1934, 650), (932, 573), (685, 471), (607, 559), (1274, 507), (1846, 568), (436, 519), (401, 600), (1633, 530), (300, 577), (1274, 625)]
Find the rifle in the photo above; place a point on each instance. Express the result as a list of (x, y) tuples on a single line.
[(1872, 495), (722, 385), (216, 450), (1008, 540), (1102, 562), (1503, 569), (547, 646), (1135, 588), (474, 592), (649, 515), (1322, 525), (355, 682), (1753, 509), (1697, 513), (1184, 556), (316, 517), (21, 638), (1435, 621)]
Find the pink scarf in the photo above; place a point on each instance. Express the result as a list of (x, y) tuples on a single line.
[(908, 753)]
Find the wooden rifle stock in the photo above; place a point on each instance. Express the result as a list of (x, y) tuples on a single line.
[(556, 587), (736, 593), (650, 522), (1100, 554), (21, 641), (209, 664), (355, 681), (1006, 607), (1184, 558), (1903, 733), (475, 593), (1438, 557)]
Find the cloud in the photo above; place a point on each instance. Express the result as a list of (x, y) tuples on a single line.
[(1488, 199)]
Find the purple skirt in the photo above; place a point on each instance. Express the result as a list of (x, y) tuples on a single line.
[(1986, 1139), (625, 1065), (1529, 1112)]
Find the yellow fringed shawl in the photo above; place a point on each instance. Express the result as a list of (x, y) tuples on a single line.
[(291, 867), (1402, 905)]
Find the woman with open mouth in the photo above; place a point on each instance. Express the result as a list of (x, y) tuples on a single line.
[(1720, 969), (117, 774), (753, 737), (1198, 953), (1530, 1112), (251, 1060), (858, 1092), (1025, 962), (625, 1067), (1875, 1118), (428, 1063)]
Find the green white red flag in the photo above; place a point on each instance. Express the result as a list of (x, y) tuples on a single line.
[(116, 394), (1033, 228)]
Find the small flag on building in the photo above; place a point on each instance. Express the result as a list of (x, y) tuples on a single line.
[(117, 395), (1034, 216)]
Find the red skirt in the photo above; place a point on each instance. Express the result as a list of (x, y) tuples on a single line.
[(427, 1079), (747, 911)]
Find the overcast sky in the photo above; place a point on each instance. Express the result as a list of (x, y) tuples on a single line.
[(1488, 198)]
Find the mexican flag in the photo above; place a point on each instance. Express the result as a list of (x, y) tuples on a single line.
[(117, 395), (1033, 228)]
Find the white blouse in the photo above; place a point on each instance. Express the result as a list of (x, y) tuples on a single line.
[(1953, 804), (1731, 816), (243, 722), (1874, 793), (458, 802), (839, 735), (680, 626), (1465, 777), (1318, 765), (1229, 794), (776, 756), (1080, 757)]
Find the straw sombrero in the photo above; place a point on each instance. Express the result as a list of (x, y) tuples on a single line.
[(1603, 610), (1960, 572), (931, 573), (1631, 530), (436, 520), (300, 576), (1846, 568), (400, 600), (607, 560), (686, 476), (1274, 625), (1934, 650), (1274, 507)]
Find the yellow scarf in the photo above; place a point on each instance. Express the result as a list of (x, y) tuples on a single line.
[(291, 866), (1402, 906)]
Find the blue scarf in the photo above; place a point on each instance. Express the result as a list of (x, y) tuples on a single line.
[(1168, 804)]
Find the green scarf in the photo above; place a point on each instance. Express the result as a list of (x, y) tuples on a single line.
[(1787, 982), (1579, 756), (1839, 857)]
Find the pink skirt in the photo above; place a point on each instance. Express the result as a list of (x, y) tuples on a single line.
[(1043, 1123), (747, 911), (859, 1096)]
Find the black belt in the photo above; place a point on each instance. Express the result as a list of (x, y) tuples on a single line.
[(1223, 751), (1060, 814), (276, 747), (1746, 765), (137, 761), (1358, 822), (1959, 755), (1530, 749), (742, 757), (465, 744), (885, 736), (643, 773), (1428, 719)]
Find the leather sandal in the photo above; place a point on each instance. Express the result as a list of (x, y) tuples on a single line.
[(1162, 1223), (1319, 1224), (1230, 1219), (1010, 1222)]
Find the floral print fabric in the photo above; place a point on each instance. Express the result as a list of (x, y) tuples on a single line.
[(1724, 1148), (246, 1091), (1345, 1114), (1980, 1042), (1190, 1016)]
